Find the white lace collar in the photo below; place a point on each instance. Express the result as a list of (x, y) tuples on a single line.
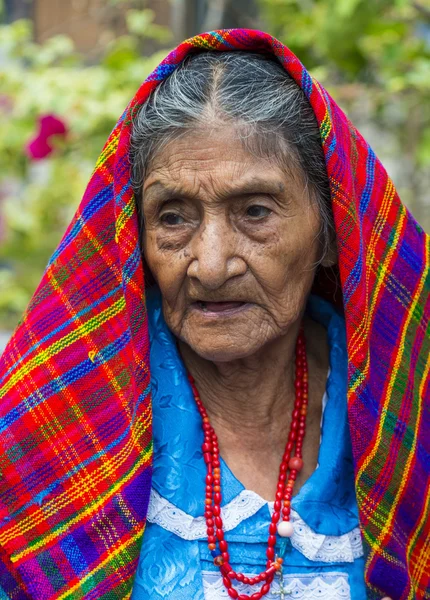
[(314, 546)]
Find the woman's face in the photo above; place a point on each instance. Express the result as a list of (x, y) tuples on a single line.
[(232, 241)]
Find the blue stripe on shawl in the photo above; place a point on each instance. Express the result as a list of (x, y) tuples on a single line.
[(63, 325), (38, 498), (97, 202), (59, 383)]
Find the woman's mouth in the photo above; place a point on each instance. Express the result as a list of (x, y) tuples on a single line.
[(220, 308)]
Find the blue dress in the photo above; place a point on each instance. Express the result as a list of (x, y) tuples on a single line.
[(325, 557)]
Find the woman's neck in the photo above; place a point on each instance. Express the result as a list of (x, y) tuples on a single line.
[(248, 393), (250, 402)]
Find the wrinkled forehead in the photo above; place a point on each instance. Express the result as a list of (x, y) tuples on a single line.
[(225, 154)]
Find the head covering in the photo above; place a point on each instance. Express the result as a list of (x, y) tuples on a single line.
[(75, 411)]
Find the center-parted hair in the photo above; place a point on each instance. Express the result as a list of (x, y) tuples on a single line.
[(269, 111)]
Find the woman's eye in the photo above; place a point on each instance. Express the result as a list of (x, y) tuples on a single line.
[(171, 218), (256, 211)]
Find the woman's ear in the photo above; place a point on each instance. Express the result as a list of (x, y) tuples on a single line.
[(330, 256)]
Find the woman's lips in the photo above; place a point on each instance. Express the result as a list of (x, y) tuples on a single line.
[(220, 308)]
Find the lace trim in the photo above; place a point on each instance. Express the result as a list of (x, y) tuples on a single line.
[(327, 586), (314, 546)]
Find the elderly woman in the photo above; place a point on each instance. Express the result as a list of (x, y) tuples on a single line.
[(282, 339)]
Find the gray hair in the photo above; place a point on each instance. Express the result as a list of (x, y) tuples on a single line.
[(270, 111)]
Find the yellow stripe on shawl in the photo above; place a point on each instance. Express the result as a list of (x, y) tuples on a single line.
[(64, 499), (109, 149), (125, 215), (200, 42), (100, 566), (384, 412), (422, 564), (45, 354), (362, 330)]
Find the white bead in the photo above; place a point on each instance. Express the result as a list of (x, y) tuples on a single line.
[(285, 529)]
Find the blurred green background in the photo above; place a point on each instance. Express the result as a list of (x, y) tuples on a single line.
[(82, 60)]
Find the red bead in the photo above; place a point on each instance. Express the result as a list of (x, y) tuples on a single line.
[(270, 553), (284, 491), (270, 571)]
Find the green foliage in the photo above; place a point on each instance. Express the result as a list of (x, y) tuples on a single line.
[(374, 57), (37, 199)]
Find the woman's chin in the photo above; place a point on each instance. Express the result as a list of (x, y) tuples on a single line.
[(223, 352)]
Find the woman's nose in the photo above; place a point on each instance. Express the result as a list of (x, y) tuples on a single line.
[(215, 259)]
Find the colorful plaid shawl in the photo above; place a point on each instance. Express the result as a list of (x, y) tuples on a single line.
[(75, 413)]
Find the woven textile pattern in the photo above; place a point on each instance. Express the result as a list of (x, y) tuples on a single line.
[(75, 420)]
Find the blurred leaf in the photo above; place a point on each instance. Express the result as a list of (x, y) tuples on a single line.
[(374, 57), (140, 23), (37, 200)]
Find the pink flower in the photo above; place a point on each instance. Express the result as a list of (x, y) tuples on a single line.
[(40, 146)]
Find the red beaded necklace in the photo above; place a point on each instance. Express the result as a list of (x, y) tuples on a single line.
[(290, 466)]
